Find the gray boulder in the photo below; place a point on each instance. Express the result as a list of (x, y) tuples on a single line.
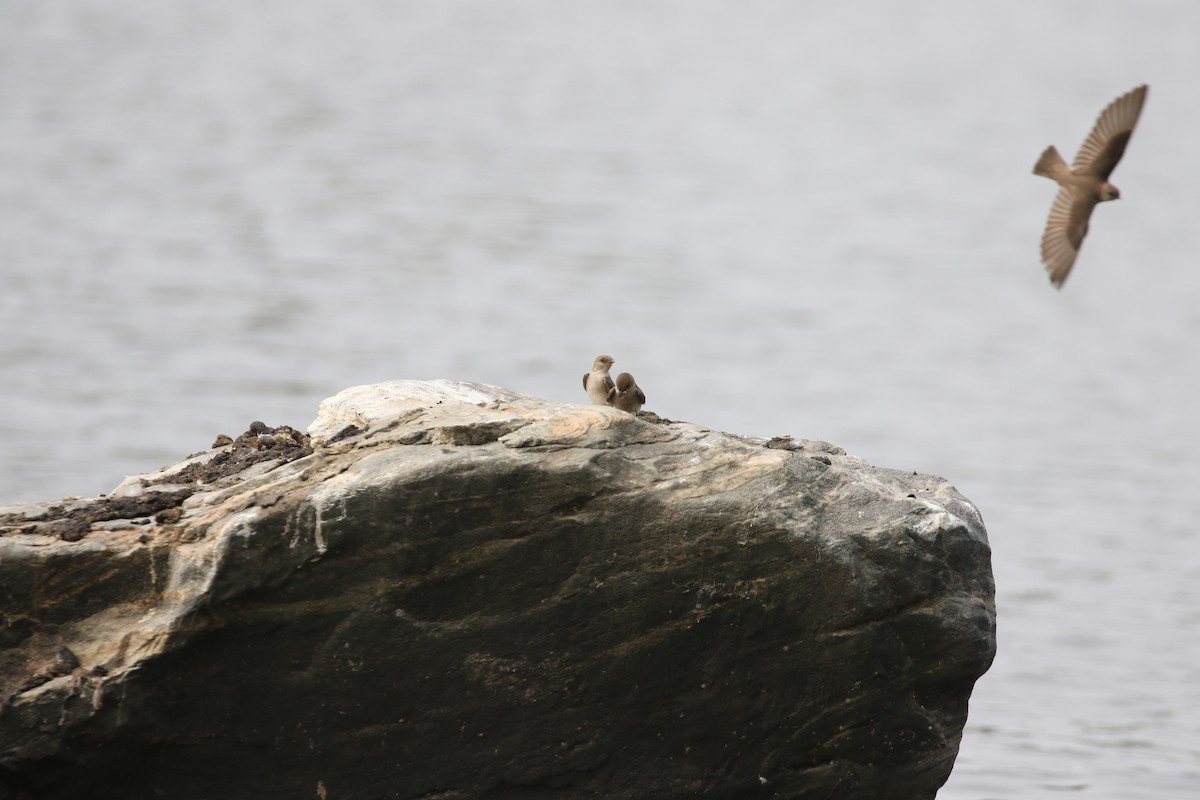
[(449, 590)]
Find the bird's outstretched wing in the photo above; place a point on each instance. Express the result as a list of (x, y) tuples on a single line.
[(1065, 229), (1104, 146)]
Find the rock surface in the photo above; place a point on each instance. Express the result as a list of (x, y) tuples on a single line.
[(449, 590)]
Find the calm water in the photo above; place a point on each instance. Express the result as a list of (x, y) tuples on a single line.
[(805, 218)]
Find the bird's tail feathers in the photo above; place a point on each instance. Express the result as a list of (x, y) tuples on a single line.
[(1051, 164)]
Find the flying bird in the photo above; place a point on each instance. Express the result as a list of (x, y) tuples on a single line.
[(598, 382), (627, 395), (1085, 183)]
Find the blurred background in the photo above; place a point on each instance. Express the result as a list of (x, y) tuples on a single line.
[(801, 218)]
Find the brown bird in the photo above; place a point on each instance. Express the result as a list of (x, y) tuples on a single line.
[(627, 395), (1085, 183), (597, 382)]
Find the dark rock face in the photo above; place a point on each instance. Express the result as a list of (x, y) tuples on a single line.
[(465, 593)]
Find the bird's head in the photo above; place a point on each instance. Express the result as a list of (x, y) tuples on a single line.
[(1109, 192), (603, 362)]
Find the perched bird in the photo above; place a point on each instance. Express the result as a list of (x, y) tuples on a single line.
[(597, 382), (1085, 183), (627, 395), (65, 662)]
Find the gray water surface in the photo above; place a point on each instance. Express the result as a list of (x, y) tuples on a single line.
[(804, 218)]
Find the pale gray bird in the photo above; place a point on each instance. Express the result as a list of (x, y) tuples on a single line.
[(626, 394), (597, 382), (1085, 183)]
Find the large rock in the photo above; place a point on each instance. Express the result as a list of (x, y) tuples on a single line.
[(455, 591)]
